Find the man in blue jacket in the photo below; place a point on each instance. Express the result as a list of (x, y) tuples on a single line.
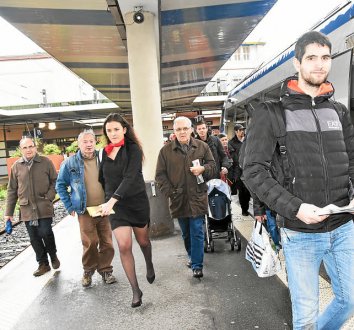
[(320, 154), (80, 173)]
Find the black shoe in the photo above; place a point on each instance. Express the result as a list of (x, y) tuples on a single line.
[(139, 302), (198, 272), (150, 279), (189, 264), (245, 213)]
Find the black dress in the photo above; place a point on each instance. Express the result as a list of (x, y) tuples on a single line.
[(123, 178)]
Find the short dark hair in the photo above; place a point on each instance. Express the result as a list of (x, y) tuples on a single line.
[(221, 135), (200, 122), (312, 37)]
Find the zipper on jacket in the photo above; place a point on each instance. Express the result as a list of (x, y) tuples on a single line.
[(323, 159)]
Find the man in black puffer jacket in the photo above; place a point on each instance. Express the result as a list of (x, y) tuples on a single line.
[(216, 148), (320, 149), (243, 194)]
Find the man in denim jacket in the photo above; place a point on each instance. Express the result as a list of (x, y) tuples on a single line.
[(80, 173)]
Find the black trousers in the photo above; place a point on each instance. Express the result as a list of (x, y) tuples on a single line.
[(244, 195), (42, 239)]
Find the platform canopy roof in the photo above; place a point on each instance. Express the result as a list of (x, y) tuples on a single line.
[(89, 37)]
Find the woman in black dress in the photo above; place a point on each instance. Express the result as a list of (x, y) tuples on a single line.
[(122, 179)]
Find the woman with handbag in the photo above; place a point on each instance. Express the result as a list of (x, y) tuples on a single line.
[(122, 179)]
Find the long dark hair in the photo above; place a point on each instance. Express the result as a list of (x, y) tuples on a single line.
[(130, 134)]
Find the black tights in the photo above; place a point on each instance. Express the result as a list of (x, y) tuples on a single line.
[(124, 239)]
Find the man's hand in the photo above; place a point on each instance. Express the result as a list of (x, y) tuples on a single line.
[(261, 218), (196, 170), (307, 214), (8, 217)]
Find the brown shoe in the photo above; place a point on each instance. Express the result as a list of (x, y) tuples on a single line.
[(108, 278), (42, 269), (55, 262), (87, 279)]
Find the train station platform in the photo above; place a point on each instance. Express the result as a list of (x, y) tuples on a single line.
[(229, 296)]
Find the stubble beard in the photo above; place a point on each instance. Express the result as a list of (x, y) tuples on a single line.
[(313, 82)]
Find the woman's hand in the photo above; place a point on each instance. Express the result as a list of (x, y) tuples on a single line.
[(106, 208)]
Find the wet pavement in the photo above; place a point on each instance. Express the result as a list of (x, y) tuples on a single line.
[(230, 296)]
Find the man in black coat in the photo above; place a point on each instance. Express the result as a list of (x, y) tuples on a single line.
[(235, 144), (320, 154), (221, 160)]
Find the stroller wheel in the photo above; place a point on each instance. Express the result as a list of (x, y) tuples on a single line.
[(212, 246), (238, 243), (232, 244)]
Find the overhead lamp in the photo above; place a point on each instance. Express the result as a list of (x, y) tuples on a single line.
[(138, 17), (41, 125), (52, 126)]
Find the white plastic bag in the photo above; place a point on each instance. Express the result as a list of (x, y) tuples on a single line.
[(260, 252)]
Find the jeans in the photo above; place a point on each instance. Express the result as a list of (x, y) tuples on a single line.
[(96, 238), (272, 227), (303, 255), (193, 237), (42, 239)]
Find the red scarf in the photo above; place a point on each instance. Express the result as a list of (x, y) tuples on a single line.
[(110, 146)]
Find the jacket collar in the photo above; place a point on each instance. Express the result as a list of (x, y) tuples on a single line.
[(79, 155), (290, 88), (36, 158), (177, 145)]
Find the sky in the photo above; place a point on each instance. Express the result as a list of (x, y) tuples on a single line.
[(13, 42), (287, 20)]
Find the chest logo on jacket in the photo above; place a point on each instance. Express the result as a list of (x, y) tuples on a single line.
[(334, 124)]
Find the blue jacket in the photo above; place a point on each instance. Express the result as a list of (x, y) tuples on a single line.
[(71, 175)]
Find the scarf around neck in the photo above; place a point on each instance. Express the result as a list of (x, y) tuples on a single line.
[(110, 146)]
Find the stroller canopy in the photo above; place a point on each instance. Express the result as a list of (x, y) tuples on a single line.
[(219, 185)]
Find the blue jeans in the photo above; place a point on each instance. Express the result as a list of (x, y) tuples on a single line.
[(303, 255), (272, 227), (193, 237)]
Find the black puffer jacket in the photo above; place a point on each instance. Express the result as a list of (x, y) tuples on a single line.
[(235, 144), (321, 156), (218, 153)]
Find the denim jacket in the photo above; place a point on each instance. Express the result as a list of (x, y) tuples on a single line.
[(71, 175)]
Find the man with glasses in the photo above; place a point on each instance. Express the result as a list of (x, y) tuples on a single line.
[(32, 184), (183, 168)]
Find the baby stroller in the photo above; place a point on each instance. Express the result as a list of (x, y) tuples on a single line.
[(219, 218)]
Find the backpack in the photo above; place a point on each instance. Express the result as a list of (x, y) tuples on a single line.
[(279, 166)]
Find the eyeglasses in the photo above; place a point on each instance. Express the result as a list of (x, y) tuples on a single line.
[(29, 147), (182, 129)]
